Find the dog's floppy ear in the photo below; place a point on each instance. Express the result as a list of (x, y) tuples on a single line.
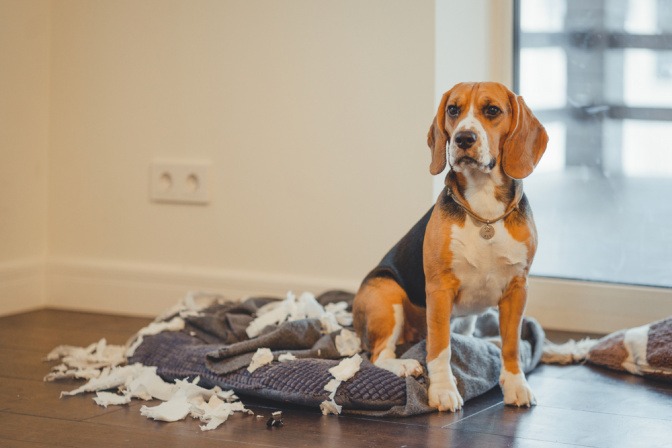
[(526, 141), (438, 137)]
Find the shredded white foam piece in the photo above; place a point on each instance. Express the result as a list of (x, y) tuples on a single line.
[(147, 385), (102, 365), (286, 357), (332, 385), (345, 370), (212, 406), (181, 399), (330, 407), (108, 379), (332, 318), (340, 310), (106, 399), (84, 362), (348, 343), (261, 357)]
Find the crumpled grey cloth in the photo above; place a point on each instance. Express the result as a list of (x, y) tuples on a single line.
[(215, 347), (302, 338)]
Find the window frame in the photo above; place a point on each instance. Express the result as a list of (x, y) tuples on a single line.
[(581, 305)]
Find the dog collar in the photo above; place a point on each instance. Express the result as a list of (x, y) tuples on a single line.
[(487, 231)]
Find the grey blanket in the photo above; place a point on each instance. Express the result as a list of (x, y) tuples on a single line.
[(215, 347)]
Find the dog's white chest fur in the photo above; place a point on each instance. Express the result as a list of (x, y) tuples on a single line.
[(484, 267)]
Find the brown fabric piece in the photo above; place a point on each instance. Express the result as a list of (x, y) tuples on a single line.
[(659, 346), (610, 351)]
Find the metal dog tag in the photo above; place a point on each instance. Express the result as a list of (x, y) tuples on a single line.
[(487, 232)]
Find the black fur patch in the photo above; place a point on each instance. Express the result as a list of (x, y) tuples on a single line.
[(404, 262), (524, 211), (451, 208)]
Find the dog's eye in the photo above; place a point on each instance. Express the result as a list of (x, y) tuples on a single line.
[(492, 111), (453, 111)]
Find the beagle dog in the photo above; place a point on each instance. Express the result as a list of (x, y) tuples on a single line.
[(471, 251)]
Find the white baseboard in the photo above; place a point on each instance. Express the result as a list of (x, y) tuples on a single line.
[(148, 289), (21, 286)]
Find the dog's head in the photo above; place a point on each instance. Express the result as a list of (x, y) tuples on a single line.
[(485, 125)]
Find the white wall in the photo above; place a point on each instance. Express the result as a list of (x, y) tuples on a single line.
[(313, 114), (24, 135)]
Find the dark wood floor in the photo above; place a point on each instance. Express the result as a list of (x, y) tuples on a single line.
[(578, 406)]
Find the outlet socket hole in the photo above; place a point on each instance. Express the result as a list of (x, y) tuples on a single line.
[(192, 183), (165, 181)]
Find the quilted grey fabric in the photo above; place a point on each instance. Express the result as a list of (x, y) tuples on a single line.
[(215, 347)]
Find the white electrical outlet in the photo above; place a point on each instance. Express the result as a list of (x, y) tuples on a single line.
[(184, 182)]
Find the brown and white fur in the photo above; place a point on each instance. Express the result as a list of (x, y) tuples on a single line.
[(443, 268)]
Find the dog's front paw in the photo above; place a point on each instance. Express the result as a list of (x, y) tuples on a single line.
[(444, 396), (401, 367), (516, 390)]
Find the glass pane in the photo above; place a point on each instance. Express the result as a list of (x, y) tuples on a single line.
[(542, 15), (646, 151), (601, 193), (543, 77), (647, 77), (641, 17)]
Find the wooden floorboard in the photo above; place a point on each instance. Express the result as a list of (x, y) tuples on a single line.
[(579, 405)]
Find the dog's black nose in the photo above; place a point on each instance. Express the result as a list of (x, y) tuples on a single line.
[(465, 139)]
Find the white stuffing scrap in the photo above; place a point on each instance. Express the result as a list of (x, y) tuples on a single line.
[(266, 317), (286, 357), (332, 318), (332, 385), (348, 343), (179, 400), (345, 370), (215, 412), (84, 362), (62, 372), (108, 379), (147, 384), (177, 408), (227, 395), (340, 310), (104, 367), (106, 399), (260, 358), (329, 323), (330, 407)]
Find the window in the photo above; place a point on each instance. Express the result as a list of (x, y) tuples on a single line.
[(598, 74)]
